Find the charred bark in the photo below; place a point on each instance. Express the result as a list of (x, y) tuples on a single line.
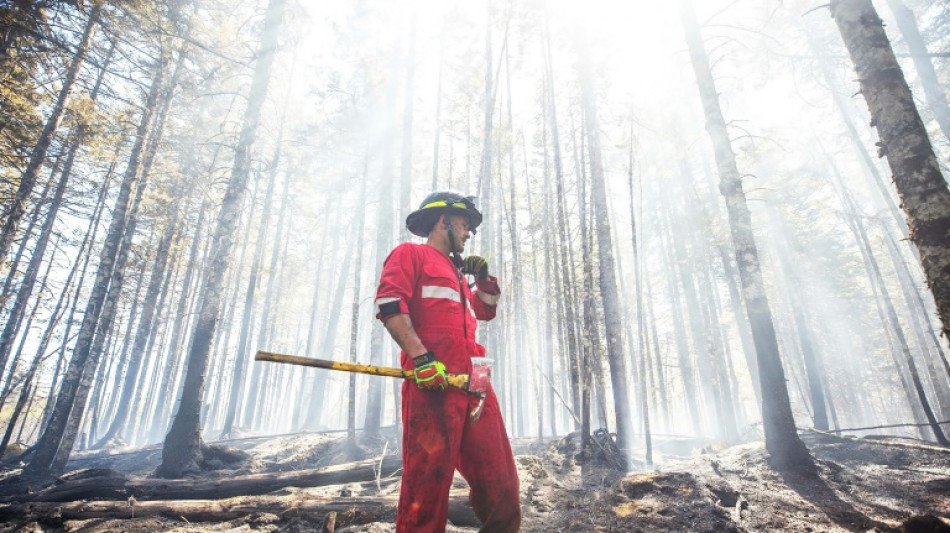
[(144, 329), (182, 449), (159, 410), (82, 364), (925, 197), (781, 438), (607, 272)]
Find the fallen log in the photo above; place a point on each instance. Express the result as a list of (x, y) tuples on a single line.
[(363, 508), (195, 510), (119, 488)]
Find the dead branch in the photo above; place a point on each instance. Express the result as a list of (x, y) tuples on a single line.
[(928, 446), (888, 426)]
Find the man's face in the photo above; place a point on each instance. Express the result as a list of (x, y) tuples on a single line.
[(460, 230)]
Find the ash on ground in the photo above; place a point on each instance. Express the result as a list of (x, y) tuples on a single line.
[(863, 485)]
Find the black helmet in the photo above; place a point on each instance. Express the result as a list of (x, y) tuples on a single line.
[(420, 221)]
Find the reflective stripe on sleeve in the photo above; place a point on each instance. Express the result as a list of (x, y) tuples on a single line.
[(384, 301), (435, 291)]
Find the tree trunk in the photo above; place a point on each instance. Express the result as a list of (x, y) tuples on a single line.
[(488, 105), (181, 451), (338, 513), (379, 340), (50, 442), (938, 382), (230, 293), (355, 314), (13, 272), (781, 438), (519, 355), (38, 155), (103, 331), (149, 379), (923, 190), (589, 354), (241, 359), (810, 355), (146, 322), (698, 331), (916, 307), (159, 409), (545, 343), (680, 337), (314, 308), (257, 391), (317, 404), (742, 320), (15, 317), (933, 92), (88, 240), (145, 326), (861, 236), (118, 361), (41, 355), (573, 348), (608, 280), (116, 281), (871, 169), (11, 381), (658, 359), (438, 114), (405, 168)]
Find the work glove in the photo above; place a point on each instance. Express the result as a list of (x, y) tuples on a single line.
[(476, 266), (430, 372)]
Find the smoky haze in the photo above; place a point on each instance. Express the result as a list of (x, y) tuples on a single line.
[(537, 109)]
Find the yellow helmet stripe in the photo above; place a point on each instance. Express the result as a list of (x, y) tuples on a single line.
[(443, 203)]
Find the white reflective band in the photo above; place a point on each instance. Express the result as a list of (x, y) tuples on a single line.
[(383, 301), (434, 291), (490, 299)]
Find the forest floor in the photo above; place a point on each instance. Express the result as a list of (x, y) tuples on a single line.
[(866, 485)]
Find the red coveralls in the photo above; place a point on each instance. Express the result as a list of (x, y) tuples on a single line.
[(438, 435)]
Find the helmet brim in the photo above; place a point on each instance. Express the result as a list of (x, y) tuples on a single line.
[(418, 221)]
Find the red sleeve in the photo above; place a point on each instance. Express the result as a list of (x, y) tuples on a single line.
[(397, 282), (486, 289)]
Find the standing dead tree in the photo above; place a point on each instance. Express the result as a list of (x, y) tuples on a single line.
[(925, 197), (608, 280), (781, 438), (182, 449)]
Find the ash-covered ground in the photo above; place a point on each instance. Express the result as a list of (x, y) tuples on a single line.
[(863, 485)]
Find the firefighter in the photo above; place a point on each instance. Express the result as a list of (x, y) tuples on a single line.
[(427, 306)]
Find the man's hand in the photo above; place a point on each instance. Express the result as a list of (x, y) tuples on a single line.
[(430, 372), (476, 266)]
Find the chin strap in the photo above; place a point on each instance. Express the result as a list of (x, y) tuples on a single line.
[(453, 253), (457, 261)]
